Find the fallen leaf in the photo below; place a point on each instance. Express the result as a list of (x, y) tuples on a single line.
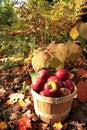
[(82, 91), (3, 125), (14, 97), (21, 103), (24, 123), (57, 126), (82, 72), (13, 116)]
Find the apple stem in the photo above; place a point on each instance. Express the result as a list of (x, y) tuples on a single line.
[(50, 87)]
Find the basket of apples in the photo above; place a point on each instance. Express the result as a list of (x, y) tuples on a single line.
[(53, 95)]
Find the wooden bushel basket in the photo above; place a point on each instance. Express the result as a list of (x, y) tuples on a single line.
[(51, 110)]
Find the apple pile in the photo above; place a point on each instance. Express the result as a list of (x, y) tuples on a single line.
[(53, 85)]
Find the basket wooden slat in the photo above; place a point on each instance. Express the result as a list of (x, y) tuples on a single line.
[(51, 110)]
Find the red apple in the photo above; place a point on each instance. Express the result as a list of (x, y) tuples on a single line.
[(44, 74), (51, 89), (62, 73), (42, 93), (68, 84), (64, 92), (55, 79), (38, 84)]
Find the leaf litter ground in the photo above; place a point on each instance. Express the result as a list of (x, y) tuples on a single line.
[(17, 108)]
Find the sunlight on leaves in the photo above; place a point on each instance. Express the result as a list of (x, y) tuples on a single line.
[(74, 33), (61, 52), (39, 59)]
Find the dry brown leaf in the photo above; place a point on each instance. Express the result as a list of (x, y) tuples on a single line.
[(14, 97), (43, 126), (52, 47), (82, 72), (75, 51), (62, 52), (82, 29), (39, 59), (13, 116), (55, 63)]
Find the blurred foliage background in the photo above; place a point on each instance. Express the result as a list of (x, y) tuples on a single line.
[(28, 24), (32, 24)]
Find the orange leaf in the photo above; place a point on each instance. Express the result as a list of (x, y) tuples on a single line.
[(24, 123), (3, 125)]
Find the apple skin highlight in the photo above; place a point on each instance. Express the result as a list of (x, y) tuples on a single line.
[(38, 84), (44, 74), (47, 84), (62, 73), (51, 89)]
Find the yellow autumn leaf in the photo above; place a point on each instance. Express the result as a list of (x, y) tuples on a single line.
[(21, 103), (82, 29), (74, 33), (3, 125), (26, 60), (58, 126)]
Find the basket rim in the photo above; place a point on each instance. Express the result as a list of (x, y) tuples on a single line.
[(53, 100)]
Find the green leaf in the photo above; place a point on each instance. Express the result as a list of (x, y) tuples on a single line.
[(33, 76), (24, 87)]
